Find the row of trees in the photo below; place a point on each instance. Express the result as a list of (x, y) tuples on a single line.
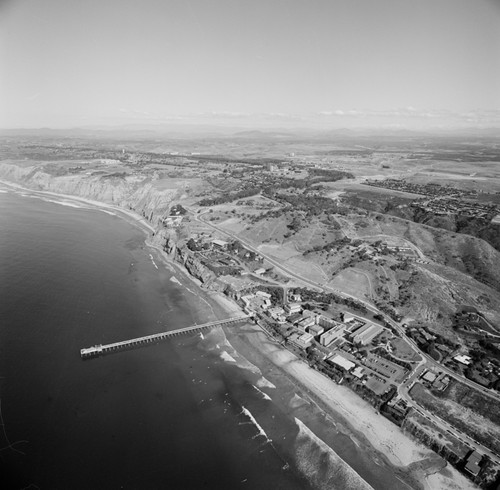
[(229, 197)]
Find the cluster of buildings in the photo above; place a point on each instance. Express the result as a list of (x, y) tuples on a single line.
[(436, 380), (448, 206), (444, 200), (327, 332), (338, 342), (175, 217), (430, 189)]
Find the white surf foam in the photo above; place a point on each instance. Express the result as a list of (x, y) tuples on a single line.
[(264, 395), (254, 422), (297, 401), (65, 203), (175, 280), (227, 357), (216, 339), (265, 383), (322, 465), (153, 260)]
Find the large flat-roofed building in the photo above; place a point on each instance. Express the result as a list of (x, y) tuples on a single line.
[(342, 362), (292, 308), (328, 337), (366, 333), (353, 323), (263, 294), (219, 243), (326, 322), (304, 323), (302, 341), (315, 330), (334, 333)]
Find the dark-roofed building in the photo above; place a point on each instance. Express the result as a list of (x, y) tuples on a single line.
[(473, 462)]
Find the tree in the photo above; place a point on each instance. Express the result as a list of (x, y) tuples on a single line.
[(191, 244)]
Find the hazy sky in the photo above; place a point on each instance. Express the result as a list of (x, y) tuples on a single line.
[(341, 62)]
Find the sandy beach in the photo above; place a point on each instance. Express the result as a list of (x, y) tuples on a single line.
[(134, 217), (382, 435), (427, 467)]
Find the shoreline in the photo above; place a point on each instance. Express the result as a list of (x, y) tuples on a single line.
[(137, 218), (421, 466), (336, 401)]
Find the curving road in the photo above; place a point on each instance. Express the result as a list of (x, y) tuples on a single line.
[(426, 362)]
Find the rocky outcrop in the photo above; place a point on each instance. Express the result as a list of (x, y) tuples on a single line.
[(194, 266)]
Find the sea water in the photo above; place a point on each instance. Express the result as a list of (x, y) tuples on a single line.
[(149, 418), (183, 414)]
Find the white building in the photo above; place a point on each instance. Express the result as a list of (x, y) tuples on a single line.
[(292, 308), (463, 359), (326, 322), (334, 333), (220, 244), (342, 362), (366, 333), (302, 341), (263, 294), (316, 330), (304, 323)]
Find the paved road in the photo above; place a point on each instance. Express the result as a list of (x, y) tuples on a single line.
[(403, 391), (426, 363), (399, 328), (432, 362)]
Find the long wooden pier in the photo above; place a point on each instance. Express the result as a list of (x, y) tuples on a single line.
[(100, 350)]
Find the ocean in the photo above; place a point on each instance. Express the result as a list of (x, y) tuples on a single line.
[(183, 414)]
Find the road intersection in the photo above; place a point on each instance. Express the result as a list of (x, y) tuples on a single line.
[(426, 362)]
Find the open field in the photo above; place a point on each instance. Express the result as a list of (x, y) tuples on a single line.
[(354, 282), (473, 400), (402, 350), (370, 190)]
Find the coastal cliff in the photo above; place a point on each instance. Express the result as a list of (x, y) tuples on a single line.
[(129, 191), (194, 266)]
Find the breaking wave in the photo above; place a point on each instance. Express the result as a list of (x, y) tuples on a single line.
[(322, 465), (215, 339), (227, 357), (153, 260), (265, 383), (254, 422), (62, 203), (264, 395)]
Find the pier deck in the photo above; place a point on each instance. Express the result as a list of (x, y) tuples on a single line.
[(100, 349)]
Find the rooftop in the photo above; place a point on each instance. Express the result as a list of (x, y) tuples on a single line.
[(342, 362)]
